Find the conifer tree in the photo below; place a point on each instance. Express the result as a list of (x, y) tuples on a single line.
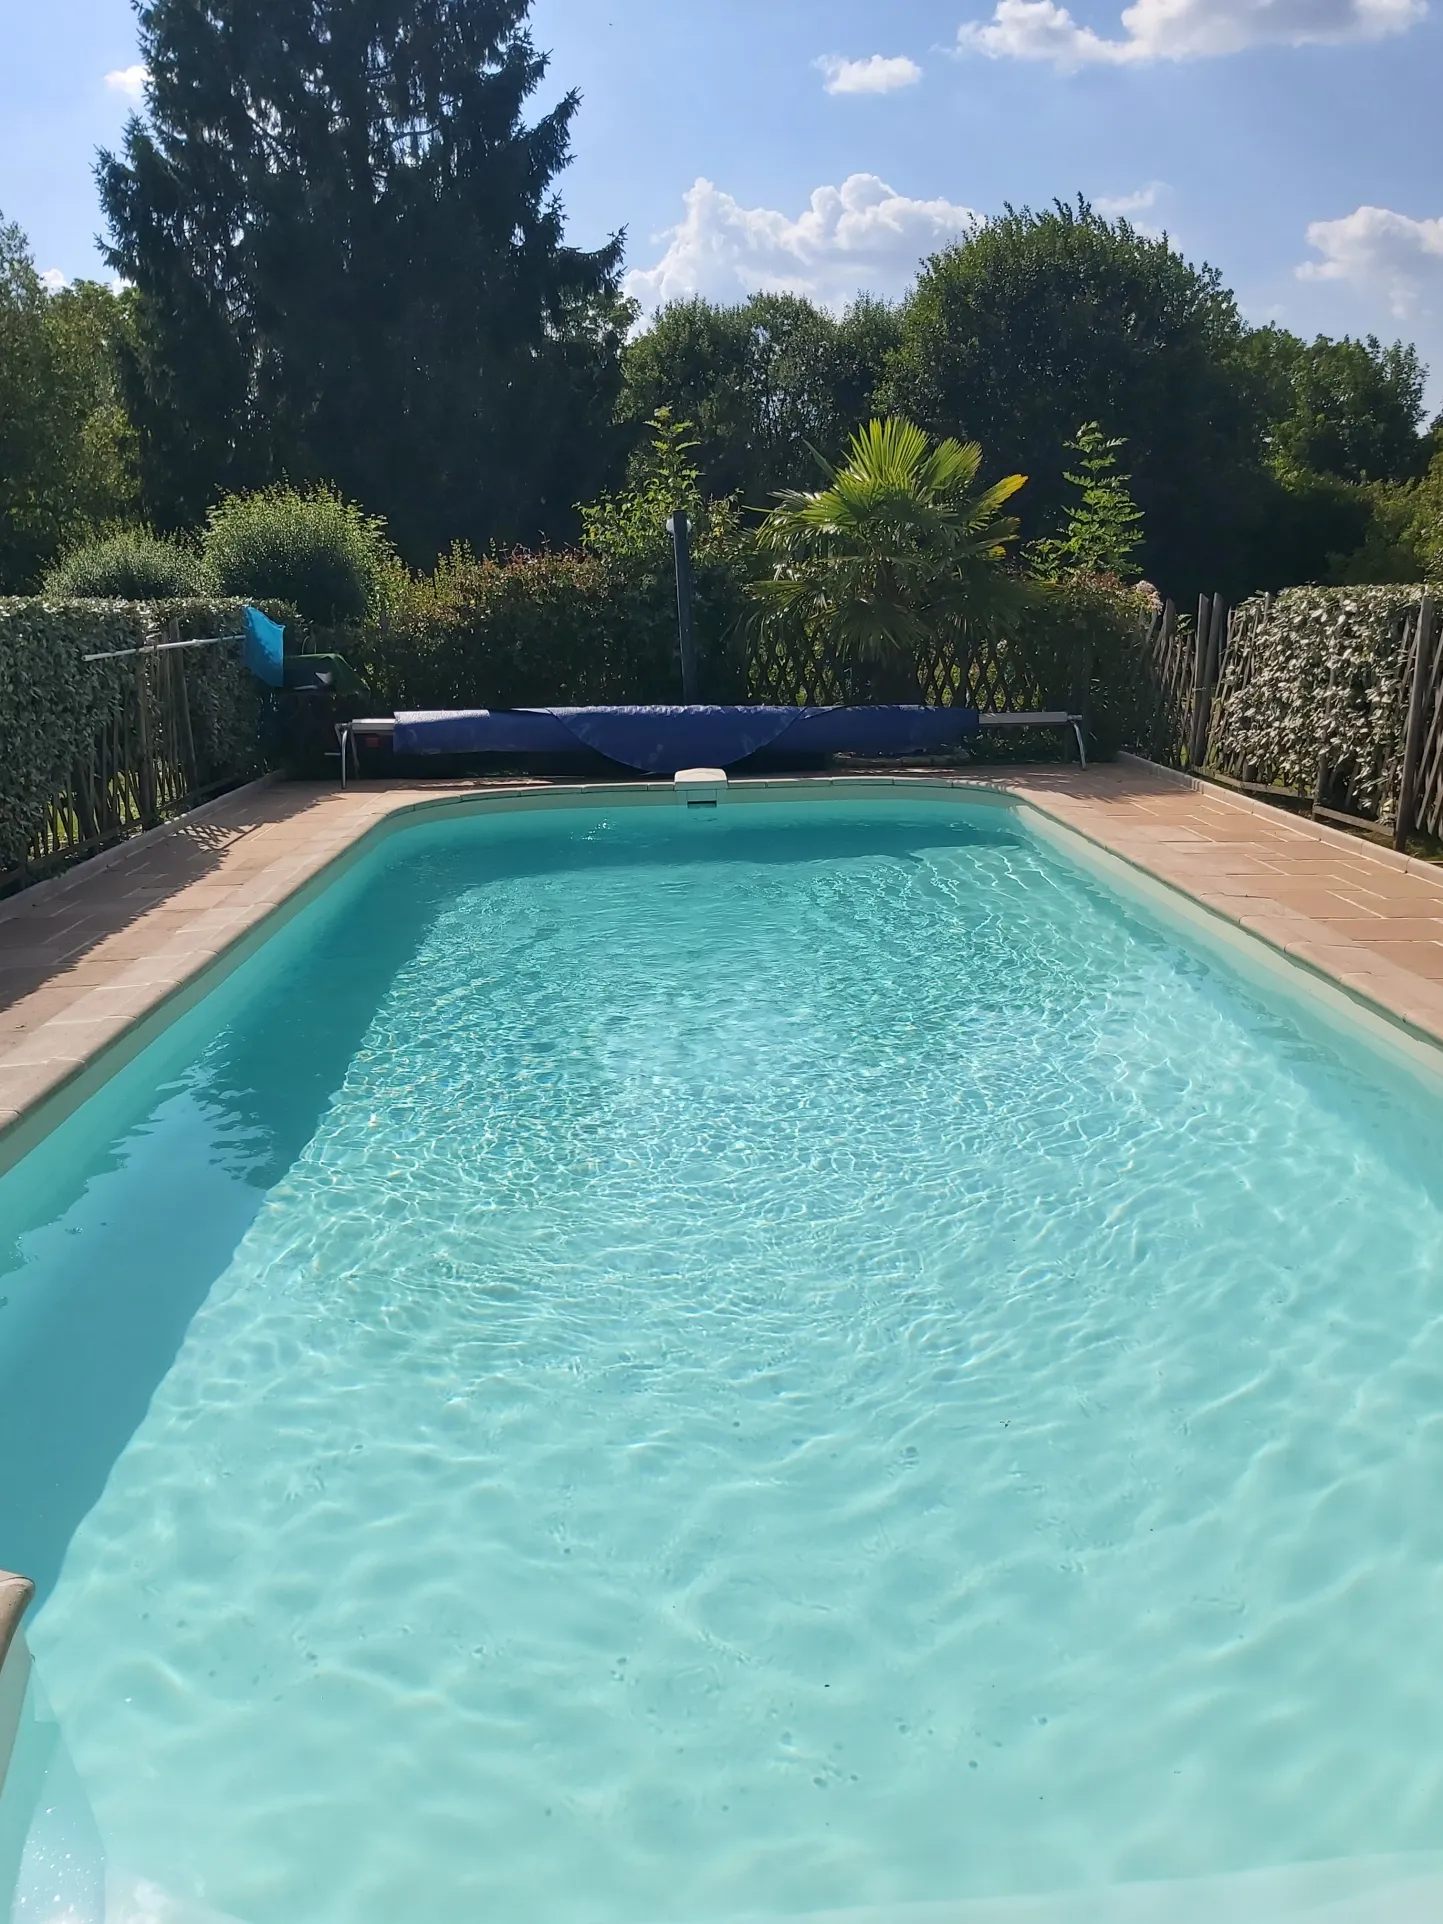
[(351, 267)]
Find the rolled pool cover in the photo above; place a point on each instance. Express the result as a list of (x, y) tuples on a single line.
[(661, 740)]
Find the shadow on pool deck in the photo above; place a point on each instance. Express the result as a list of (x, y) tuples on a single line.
[(47, 932)]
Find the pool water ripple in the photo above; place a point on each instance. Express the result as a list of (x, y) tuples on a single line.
[(819, 1361)]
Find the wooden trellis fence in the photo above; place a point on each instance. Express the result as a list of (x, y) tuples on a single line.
[(988, 672)]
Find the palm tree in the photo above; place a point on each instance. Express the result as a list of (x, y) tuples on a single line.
[(899, 551)]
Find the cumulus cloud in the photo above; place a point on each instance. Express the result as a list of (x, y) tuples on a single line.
[(1141, 201), (879, 73), (1382, 253), (1134, 207), (861, 235), (129, 81), (1180, 29), (52, 280)]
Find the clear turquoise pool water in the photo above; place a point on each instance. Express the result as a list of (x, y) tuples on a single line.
[(643, 1368)]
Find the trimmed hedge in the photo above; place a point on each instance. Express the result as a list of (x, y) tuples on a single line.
[(1086, 638), (531, 630), (571, 627), (54, 703), (560, 627)]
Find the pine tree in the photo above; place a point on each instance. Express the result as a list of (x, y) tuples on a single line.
[(351, 266)]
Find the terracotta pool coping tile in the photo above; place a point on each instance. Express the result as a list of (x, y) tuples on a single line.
[(1373, 929), (1423, 959)]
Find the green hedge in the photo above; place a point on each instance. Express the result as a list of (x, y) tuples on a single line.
[(560, 627), (530, 630), (54, 705), (1086, 640), (571, 627)]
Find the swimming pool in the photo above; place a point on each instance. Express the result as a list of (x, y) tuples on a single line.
[(637, 1365)]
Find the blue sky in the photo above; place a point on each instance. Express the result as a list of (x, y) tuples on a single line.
[(741, 143)]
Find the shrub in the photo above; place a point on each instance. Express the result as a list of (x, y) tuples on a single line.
[(559, 626), (1084, 639), (128, 564), (331, 562)]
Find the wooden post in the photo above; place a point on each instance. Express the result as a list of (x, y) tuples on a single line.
[(82, 776), (145, 774), (1217, 630), (1199, 673), (1418, 699), (182, 698), (1325, 768)]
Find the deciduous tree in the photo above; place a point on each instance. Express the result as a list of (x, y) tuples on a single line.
[(65, 445), (768, 384), (1037, 321)]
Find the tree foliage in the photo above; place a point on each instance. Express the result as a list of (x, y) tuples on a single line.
[(1256, 459), (65, 447), (765, 382), (1351, 409), (1425, 521), (350, 266), (629, 528), (1036, 321), (591, 623)]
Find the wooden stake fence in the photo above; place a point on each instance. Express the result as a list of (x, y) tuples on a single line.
[(156, 754), (1376, 760)]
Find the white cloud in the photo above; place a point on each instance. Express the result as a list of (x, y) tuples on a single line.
[(129, 81), (1142, 201), (52, 280), (1134, 207), (859, 235), (879, 73), (1180, 29), (1381, 254)]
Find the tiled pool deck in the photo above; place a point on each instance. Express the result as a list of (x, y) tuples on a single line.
[(86, 959)]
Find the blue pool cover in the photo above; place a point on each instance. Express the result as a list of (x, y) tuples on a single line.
[(661, 740)]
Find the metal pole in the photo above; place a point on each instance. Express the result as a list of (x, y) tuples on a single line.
[(679, 528)]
